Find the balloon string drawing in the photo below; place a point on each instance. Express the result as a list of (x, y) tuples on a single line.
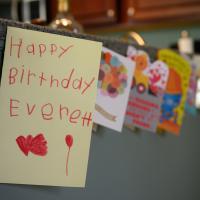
[(69, 142)]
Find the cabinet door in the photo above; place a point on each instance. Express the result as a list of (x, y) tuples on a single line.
[(148, 10), (94, 12)]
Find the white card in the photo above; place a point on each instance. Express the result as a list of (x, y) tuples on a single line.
[(115, 77)]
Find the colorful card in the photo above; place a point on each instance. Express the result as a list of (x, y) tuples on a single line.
[(176, 91), (114, 84), (48, 92), (148, 86), (192, 88)]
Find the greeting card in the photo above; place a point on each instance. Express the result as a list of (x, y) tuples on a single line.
[(192, 88), (114, 84), (47, 96), (148, 86), (174, 99)]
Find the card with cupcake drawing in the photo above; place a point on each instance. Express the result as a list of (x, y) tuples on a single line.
[(114, 82)]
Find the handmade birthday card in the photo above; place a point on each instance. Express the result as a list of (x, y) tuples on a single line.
[(172, 109), (147, 89), (114, 84), (47, 96)]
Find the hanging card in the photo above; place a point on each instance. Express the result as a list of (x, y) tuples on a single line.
[(47, 96), (174, 99), (192, 88), (1, 47), (113, 89), (148, 86)]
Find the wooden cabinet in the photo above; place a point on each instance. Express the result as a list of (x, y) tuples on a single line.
[(156, 10), (95, 12), (90, 12), (121, 15)]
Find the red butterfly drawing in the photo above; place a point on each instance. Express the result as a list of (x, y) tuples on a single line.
[(36, 145)]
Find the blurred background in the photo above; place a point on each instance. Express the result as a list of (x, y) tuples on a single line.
[(159, 23)]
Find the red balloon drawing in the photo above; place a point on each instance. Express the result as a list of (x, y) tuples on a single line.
[(36, 145), (69, 142)]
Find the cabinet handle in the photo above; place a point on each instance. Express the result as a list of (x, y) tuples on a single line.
[(130, 11), (110, 13)]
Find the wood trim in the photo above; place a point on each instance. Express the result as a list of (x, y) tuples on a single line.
[(151, 26)]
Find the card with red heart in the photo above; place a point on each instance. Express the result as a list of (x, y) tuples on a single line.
[(47, 96)]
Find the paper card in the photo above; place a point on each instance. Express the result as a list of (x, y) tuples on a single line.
[(148, 86), (197, 101), (176, 91), (1, 48), (192, 88), (47, 96), (113, 89)]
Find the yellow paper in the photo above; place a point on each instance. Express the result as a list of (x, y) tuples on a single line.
[(176, 91), (48, 91)]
